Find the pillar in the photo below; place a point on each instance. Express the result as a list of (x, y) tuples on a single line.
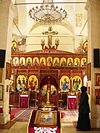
[(6, 19), (93, 8)]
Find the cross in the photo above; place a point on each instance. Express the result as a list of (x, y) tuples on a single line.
[(50, 32)]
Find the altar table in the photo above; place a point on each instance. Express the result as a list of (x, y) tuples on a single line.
[(24, 101), (72, 100), (33, 129)]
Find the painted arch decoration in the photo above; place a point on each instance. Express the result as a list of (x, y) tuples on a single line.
[(21, 83), (29, 61), (33, 83), (42, 61), (56, 62), (76, 83), (77, 62), (63, 62), (43, 90), (49, 61), (70, 61), (83, 62), (22, 61), (64, 84), (36, 61), (15, 61)]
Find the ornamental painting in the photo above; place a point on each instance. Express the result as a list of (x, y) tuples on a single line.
[(56, 62), (63, 62), (77, 62), (53, 90), (13, 46), (42, 61), (29, 61), (15, 61), (85, 46), (83, 62), (21, 83), (97, 96), (64, 84), (36, 61), (43, 91), (22, 61), (49, 61), (70, 62), (33, 83), (76, 83), (97, 79)]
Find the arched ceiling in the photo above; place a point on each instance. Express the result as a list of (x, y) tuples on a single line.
[(72, 26)]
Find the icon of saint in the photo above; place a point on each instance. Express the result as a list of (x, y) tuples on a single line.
[(56, 63), (84, 62), (29, 62), (63, 63), (65, 85), (70, 63), (42, 63), (35, 63), (49, 63), (77, 63)]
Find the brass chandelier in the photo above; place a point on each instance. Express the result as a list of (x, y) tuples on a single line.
[(47, 12)]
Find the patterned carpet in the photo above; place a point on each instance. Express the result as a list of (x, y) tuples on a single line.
[(23, 115), (68, 116)]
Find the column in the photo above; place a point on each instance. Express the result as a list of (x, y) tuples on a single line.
[(6, 19), (93, 7)]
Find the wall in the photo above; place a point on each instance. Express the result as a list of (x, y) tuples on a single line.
[(93, 7), (6, 20)]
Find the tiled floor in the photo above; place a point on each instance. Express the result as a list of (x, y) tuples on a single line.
[(21, 127)]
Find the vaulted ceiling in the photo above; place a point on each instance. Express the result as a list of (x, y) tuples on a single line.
[(74, 25)]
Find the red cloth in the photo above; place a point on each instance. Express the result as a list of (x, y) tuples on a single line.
[(71, 103), (13, 112), (23, 102), (1, 110)]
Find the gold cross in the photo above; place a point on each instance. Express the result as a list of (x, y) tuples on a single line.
[(50, 32)]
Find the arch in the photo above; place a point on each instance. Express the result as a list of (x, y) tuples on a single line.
[(64, 84), (15, 61), (33, 83), (76, 83), (36, 61), (49, 61), (29, 61), (22, 61), (70, 62), (83, 62), (21, 82), (48, 79), (77, 62), (63, 62), (42, 61), (64, 24), (56, 62)]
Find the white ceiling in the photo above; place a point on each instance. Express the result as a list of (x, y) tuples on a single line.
[(28, 27)]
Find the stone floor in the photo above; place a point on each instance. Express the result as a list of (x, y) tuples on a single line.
[(21, 127)]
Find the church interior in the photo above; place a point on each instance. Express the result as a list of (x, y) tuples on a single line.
[(49, 49)]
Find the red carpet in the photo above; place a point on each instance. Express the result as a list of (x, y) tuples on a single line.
[(13, 112), (23, 115), (69, 116)]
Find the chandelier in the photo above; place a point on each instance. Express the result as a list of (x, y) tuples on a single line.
[(47, 12)]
